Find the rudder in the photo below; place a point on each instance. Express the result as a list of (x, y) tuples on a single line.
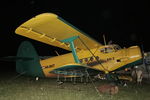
[(29, 62)]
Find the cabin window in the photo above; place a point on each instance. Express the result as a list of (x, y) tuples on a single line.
[(118, 60), (97, 57), (106, 50), (86, 59), (81, 60), (91, 58), (117, 47)]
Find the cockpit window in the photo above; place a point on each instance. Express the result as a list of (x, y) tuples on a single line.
[(106, 50), (117, 47), (110, 48)]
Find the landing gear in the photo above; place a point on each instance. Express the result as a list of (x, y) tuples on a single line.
[(58, 78), (59, 82), (65, 79), (81, 79), (36, 78), (113, 78), (74, 81)]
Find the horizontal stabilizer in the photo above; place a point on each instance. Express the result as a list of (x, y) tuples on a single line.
[(15, 58)]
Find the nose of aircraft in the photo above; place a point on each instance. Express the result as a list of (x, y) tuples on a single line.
[(135, 52)]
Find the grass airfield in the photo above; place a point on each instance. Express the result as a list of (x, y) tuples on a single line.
[(27, 88)]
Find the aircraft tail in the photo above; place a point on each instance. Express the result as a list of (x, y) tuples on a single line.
[(28, 62)]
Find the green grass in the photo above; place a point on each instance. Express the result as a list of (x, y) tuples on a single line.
[(26, 88)]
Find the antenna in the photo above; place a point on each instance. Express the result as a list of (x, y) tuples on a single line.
[(57, 53), (104, 39)]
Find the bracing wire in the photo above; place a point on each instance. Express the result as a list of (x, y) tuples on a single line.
[(93, 55), (17, 76), (92, 83), (12, 79), (97, 61)]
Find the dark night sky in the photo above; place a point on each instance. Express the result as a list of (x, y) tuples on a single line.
[(124, 23)]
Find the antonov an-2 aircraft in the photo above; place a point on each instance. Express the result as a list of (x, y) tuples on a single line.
[(86, 53)]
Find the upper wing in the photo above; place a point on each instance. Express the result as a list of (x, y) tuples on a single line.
[(51, 29)]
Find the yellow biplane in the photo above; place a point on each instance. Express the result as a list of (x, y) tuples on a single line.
[(86, 53)]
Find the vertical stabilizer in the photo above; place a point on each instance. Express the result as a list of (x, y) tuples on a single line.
[(30, 66)]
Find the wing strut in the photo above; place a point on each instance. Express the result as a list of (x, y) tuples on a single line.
[(106, 70), (71, 42)]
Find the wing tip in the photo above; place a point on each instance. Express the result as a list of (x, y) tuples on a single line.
[(47, 14)]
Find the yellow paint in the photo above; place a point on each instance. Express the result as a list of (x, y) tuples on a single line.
[(53, 27), (130, 54), (49, 29)]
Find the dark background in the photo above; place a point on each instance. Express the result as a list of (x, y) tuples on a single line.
[(125, 23)]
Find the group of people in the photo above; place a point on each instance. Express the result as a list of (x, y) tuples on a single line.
[(136, 74)]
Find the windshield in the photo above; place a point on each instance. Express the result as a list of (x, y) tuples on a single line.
[(110, 48), (117, 47), (106, 50)]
